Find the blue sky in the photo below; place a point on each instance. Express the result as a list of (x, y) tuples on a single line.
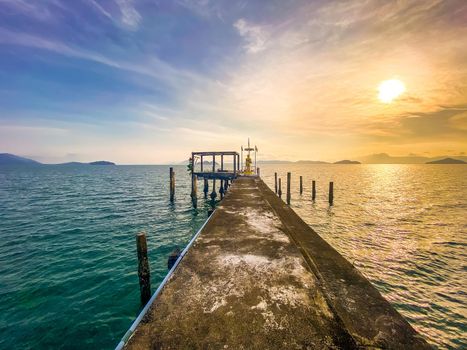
[(140, 81)]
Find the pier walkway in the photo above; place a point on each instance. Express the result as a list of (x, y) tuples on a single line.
[(258, 277)]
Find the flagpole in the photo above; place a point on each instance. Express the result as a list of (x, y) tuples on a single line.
[(256, 169), (241, 161)]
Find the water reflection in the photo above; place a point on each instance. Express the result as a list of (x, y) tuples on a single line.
[(404, 227)]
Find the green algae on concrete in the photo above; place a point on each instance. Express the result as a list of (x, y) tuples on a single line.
[(257, 277)]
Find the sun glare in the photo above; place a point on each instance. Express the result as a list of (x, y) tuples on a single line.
[(390, 90)]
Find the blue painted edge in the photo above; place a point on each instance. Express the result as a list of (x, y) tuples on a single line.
[(138, 319)]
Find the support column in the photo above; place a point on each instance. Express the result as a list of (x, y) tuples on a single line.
[(221, 189), (213, 193), (206, 188), (194, 190)]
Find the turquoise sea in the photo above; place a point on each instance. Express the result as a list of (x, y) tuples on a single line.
[(68, 264)]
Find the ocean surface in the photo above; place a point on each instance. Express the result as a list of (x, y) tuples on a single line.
[(68, 268)]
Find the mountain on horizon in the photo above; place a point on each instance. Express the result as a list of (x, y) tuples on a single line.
[(384, 158), (11, 159), (447, 161), (346, 161)]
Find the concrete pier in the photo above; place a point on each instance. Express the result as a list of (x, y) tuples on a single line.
[(258, 277)]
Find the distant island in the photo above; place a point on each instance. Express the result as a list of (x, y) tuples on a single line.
[(11, 159), (311, 162), (447, 161), (383, 158), (346, 161), (102, 162)]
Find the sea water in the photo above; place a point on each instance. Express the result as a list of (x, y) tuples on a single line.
[(68, 268)]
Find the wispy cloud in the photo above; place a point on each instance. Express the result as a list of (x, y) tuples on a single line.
[(100, 9), (203, 8), (28, 40), (254, 35), (130, 16)]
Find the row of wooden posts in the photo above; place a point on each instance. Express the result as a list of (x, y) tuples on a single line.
[(224, 185), (278, 188)]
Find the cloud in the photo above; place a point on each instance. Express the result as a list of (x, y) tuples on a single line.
[(39, 11), (152, 68), (447, 121), (130, 17), (254, 35), (203, 8), (100, 9), (27, 40)]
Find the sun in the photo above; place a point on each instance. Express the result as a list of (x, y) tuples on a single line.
[(390, 90)]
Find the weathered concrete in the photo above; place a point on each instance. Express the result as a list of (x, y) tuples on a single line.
[(258, 277)]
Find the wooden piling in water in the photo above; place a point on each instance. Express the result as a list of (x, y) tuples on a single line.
[(221, 189), (275, 183), (313, 190), (331, 193), (206, 188), (173, 258), (172, 184), (257, 172), (288, 188), (279, 192), (301, 184), (144, 274), (194, 190), (213, 193)]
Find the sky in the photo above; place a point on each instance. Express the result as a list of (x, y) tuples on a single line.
[(149, 81)]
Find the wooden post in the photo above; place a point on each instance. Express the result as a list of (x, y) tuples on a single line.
[(288, 188), (235, 164), (257, 172), (275, 183), (206, 188), (144, 274), (201, 163), (301, 184), (194, 190), (279, 192), (313, 190), (331, 193), (173, 257), (213, 163), (226, 185), (213, 193), (221, 189), (222, 162), (172, 184)]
